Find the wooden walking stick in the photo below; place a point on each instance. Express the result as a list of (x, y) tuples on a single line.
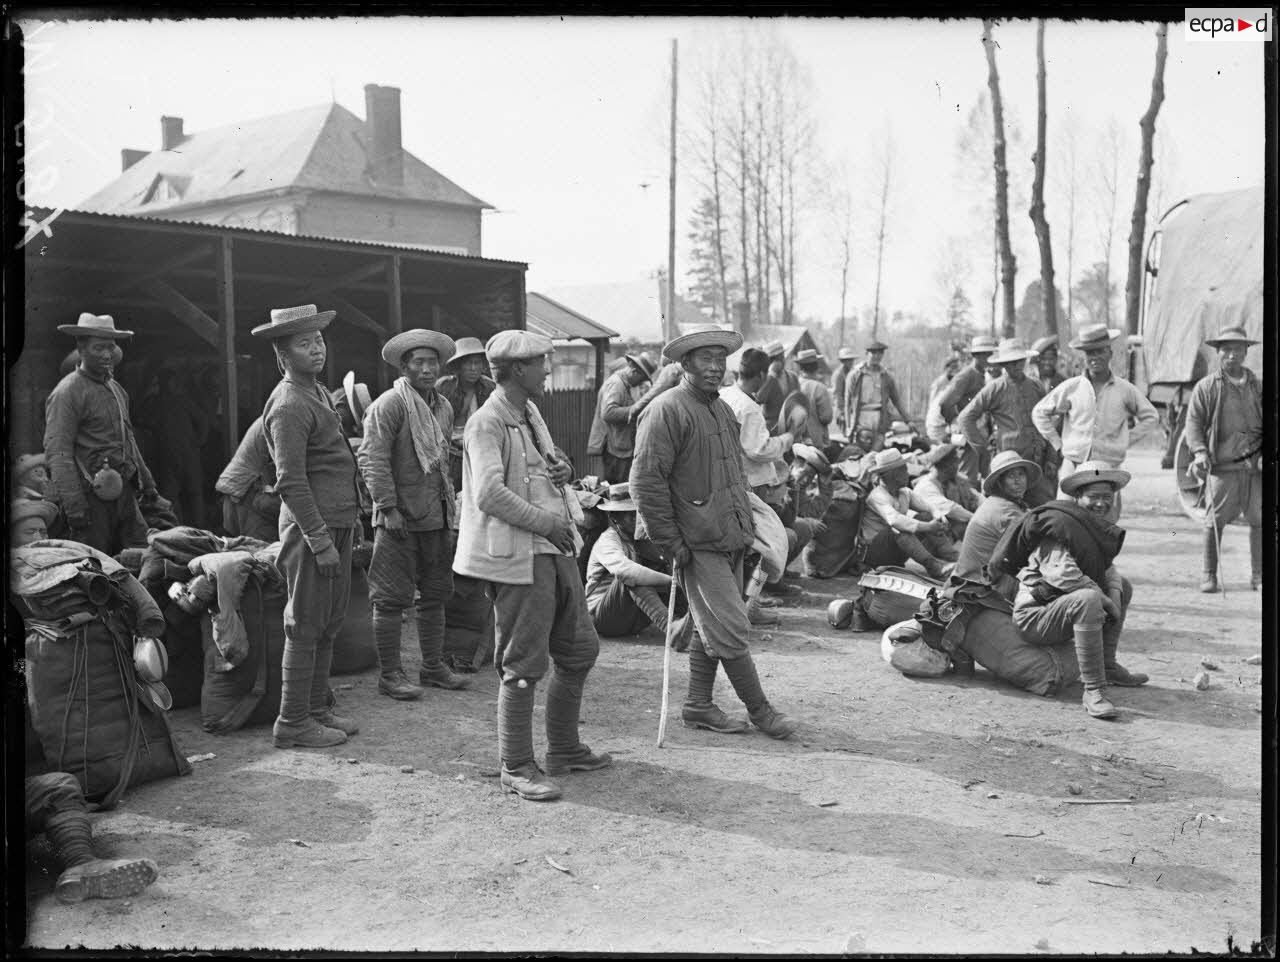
[(666, 655)]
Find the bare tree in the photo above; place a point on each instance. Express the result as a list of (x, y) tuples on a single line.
[(1138, 223), (1070, 164), (885, 171), (1037, 194), (841, 209), (1008, 266), (1108, 182)]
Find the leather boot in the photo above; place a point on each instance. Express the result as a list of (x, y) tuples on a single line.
[(1117, 674), (1093, 672), (1255, 558), (86, 877), (1209, 582), (746, 682), (916, 551), (699, 710), (565, 751), (392, 680), (759, 617), (431, 644)]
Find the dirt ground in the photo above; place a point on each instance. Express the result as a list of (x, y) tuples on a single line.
[(906, 816)]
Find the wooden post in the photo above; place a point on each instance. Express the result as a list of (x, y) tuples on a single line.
[(395, 318), (227, 318), (599, 364)]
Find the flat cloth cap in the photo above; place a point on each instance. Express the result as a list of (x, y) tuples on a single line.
[(517, 346)]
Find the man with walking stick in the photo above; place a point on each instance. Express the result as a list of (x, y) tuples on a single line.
[(691, 491), (517, 532)]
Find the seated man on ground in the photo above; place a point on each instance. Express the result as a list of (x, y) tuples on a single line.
[(55, 803), (627, 588), (897, 524), (1069, 588), (944, 490), (1004, 492)]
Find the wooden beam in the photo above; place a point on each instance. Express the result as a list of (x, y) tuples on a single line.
[(227, 319), (395, 308), (322, 286), (168, 267), (349, 312), (200, 323)]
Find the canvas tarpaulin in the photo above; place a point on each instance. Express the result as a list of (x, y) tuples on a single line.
[(1210, 277)]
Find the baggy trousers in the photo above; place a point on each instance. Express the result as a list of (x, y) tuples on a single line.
[(713, 584), (113, 525), (544, 621), (615, 612), (421, 560), (313, 616), (48, 795), (1055, 622)]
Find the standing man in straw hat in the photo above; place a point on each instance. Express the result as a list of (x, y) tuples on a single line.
[(869, 392), (316, 481), (1094, 408), (613, 430), (465, 387), (821, 410), (1224, 432), (95, 467), (779, 383), (404, 459), (518, 532), (846, 356), (962, 389), (1006, 404), (691, 489), (1069, 588)]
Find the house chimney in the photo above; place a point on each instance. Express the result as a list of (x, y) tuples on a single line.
[(129, 157), (170, 132), (382, 120)]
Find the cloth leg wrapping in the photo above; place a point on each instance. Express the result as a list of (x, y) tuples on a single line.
[(1111, 629), (702, 678), (1090, 655), (70, 837), (435, 585), (515, 724), (564, 702), (746, 682), (386, 636), (1211, 549), (1255, 550)]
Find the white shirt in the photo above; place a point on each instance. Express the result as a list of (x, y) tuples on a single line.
[(1095, 424), (762, 453)]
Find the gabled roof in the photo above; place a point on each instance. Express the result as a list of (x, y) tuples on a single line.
[(633, 308), (317, 148), (561, 323)]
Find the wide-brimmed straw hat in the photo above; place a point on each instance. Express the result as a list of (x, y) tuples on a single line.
[(1003, 463), (706, 335), (1011, 349), (1092, 472), (22, 508), (643, 363), (358, 397), (1094, 336), (1230, 335), (288, 321), (887, 460), (774, 348), (982, 344), (465, 347), (95, 325), (26, 462), (1048, 342), (809, 356), (846, 354), (417, 337), (619, 498), (812, 457), (939, 453)]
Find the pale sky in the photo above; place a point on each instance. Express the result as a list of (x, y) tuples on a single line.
[(558, 122)]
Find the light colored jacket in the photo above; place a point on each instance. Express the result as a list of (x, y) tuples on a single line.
[(1095, 424), (761, 451), (509, 505)]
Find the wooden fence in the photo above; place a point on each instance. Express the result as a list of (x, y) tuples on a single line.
[(568, 413)]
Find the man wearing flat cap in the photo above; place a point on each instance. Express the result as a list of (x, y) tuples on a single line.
[(316, 481), (1094, 409), (95, 467), (1224, 432), (465, 387), (613, 430), (1006, 402), (1069, 589), (957, 394), (821, 409), (870, 391), (404, 459), (691, 488), (517, 532)]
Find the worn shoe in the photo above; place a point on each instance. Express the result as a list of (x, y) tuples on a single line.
[(343, 724), (310, 734), (105, 879), (1096, 704), (762, 619), (772, 722), (582, 760), (530, 783), (1118, 674), (782, 589), (1209, 583), (399, 687), (713, 720), (442, 677)]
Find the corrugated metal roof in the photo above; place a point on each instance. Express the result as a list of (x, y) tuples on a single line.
[(315, 148), (41, 214), (558, 322)]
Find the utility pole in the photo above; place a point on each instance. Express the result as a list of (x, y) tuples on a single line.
[(672, 330)]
